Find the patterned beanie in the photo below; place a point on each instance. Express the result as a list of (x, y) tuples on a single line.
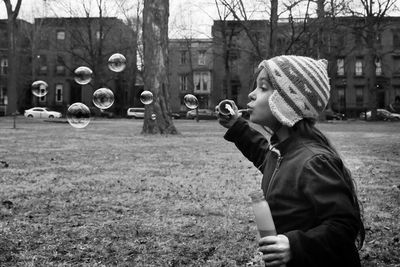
[(301, 87)]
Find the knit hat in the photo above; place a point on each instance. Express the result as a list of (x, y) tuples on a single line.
[(302, 87)]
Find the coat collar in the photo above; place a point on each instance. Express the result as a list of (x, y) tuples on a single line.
[(286, 145)]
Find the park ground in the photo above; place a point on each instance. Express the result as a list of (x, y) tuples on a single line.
[(108, 196)]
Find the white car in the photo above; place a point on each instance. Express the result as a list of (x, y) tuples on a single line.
[(204, 114), (382, 114), (137, 113), (43, 113)]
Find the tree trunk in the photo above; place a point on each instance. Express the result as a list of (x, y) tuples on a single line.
[(273, 28), (12, 70), (321, 17), (12, 84), (370, 68), (155, 42)]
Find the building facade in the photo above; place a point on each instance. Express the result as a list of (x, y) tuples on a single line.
[(190, 72), (235, 58), (349, 68), (24, 67), (240, 46), (64, 44)]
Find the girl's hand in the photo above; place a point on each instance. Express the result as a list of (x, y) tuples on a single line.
[(227, 120), (275, 249)]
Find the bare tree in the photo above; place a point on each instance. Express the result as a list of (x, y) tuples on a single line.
[(12, 89), (135, 21), (237, 10), (155, 41), (225, 37), (289, 37), (273, 28)]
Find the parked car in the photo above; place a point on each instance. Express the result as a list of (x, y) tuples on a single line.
[(175, 115), (332, 115), (104, 113), (137, 113), (204, 114), (41, 112), (382, 114)]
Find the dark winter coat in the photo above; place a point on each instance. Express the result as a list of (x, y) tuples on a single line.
[(311, 203)]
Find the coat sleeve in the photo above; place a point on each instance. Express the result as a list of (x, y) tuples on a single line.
[(252, 144), (332, 241)]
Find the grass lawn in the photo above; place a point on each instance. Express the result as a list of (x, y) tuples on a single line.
[(108, 196)]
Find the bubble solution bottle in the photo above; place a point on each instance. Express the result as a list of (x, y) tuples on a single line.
[(262, 213)]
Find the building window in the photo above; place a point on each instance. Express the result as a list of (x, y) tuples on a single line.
[(359, 96), (183, 57), (340, 66), (378, 67), (44, 41), (202, 81), (341, 98), (202, 58), (183, 82), (396, 90), (60, 35), (396, 40), (205, 76), (197, 81), (3, 66), (358, 35), (60, 66), (396, 66), (3, 96), (59, 93), (359, 67), (99, 35), (60, 42), (42, 99), (234, 52)]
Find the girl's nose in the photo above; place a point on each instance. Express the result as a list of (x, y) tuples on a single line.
[(252, 95)]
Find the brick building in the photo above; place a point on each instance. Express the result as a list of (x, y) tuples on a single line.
[(24, 51), (190, 72), (64, 44), (344, 47), (349, 67), (235, 58)]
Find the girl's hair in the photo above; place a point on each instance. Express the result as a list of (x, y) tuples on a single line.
[(306, 129)]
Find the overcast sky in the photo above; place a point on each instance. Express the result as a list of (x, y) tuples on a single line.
[(187, 17)]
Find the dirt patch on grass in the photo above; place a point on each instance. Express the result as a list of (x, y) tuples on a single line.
[(106, 195)]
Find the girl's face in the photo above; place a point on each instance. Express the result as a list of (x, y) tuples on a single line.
[(260, 111)]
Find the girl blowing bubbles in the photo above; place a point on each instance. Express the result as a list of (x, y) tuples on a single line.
[(309, 190)]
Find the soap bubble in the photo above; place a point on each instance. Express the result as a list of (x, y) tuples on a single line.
[(153, 117), (191, 101), (83, 75), (103, 98), (146, 97), (117, 62), (78, 115), (39, 88)]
